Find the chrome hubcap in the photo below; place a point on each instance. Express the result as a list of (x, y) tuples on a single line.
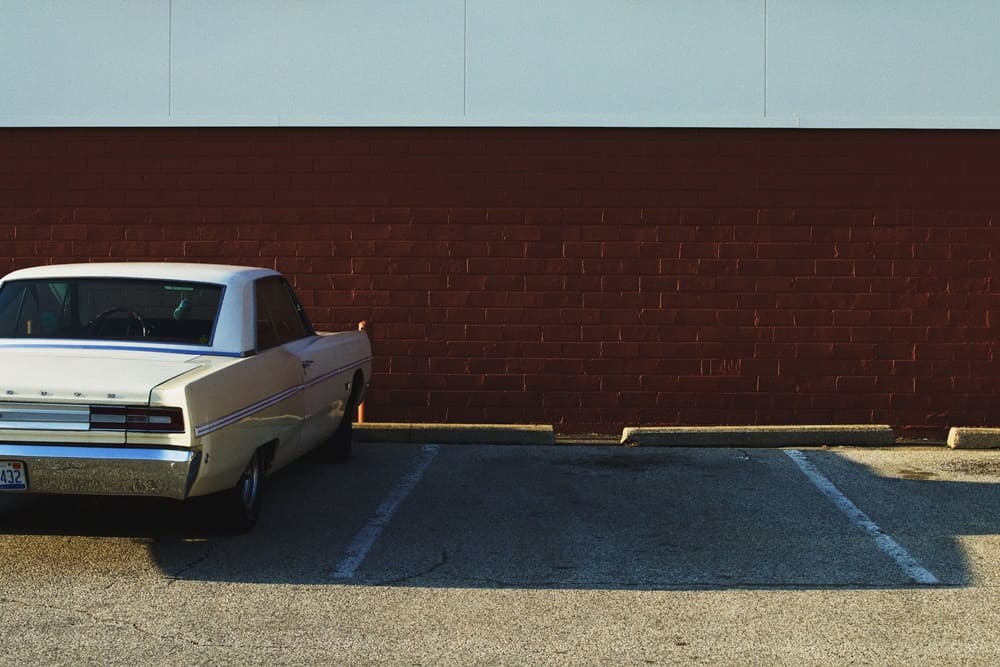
[(250, 484)]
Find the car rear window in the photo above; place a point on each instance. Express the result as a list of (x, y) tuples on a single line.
[(110, 309)]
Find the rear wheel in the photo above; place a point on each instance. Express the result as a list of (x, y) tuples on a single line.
[(237, 509), (340, 446)]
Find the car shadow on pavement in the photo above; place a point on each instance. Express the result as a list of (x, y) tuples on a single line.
[(568, 518)]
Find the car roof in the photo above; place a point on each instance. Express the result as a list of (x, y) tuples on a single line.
[(181, 271)]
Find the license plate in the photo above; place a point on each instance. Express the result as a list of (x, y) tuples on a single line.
[(13, 476)]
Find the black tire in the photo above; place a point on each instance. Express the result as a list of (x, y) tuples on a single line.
[(339, 447), (237, 510)]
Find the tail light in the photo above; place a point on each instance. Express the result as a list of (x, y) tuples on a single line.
[(139, 419)]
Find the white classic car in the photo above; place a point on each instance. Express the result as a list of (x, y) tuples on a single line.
[(170, 380)]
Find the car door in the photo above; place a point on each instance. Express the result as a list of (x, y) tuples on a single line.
[(279, 333), (323, 391)]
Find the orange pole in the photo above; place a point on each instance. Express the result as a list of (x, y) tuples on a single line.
[(362, 326)]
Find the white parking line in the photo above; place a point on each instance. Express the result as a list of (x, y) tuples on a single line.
[(913, 569), (363, 542)]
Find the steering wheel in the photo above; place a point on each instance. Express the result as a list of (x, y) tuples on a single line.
[(99, 322)]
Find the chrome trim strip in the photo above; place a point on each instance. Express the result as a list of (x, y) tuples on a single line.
[(45, 426), (216, 424), (337, 371), (44, 409), (234, 417), (42, 416), (13, 450)]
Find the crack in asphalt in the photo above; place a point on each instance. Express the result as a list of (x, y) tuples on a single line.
[(416, 575), (174, 577), (114, 622)]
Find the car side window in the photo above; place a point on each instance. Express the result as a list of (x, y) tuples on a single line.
[(279, 316)]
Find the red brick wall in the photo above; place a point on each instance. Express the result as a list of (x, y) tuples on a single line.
[(585, 278)]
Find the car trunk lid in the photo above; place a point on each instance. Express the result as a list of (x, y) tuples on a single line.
[(90, 376)]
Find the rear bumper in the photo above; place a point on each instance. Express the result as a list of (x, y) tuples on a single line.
[(106, 471)]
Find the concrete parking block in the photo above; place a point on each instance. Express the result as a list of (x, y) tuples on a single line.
[(872, 435), (456, 434), (974, 438)]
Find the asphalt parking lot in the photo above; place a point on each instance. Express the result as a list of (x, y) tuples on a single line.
[(465, 554)]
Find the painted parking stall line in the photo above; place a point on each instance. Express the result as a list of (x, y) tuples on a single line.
[(363, 542), (907, 563)]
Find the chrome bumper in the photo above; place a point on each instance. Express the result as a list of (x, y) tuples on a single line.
[(106, 471)]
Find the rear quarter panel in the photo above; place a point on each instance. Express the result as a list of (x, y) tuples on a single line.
[(236, 409)]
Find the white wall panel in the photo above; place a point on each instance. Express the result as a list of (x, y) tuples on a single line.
[(612, 61), (103, 61), (742, 63), (883, 63), (338, 62)]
